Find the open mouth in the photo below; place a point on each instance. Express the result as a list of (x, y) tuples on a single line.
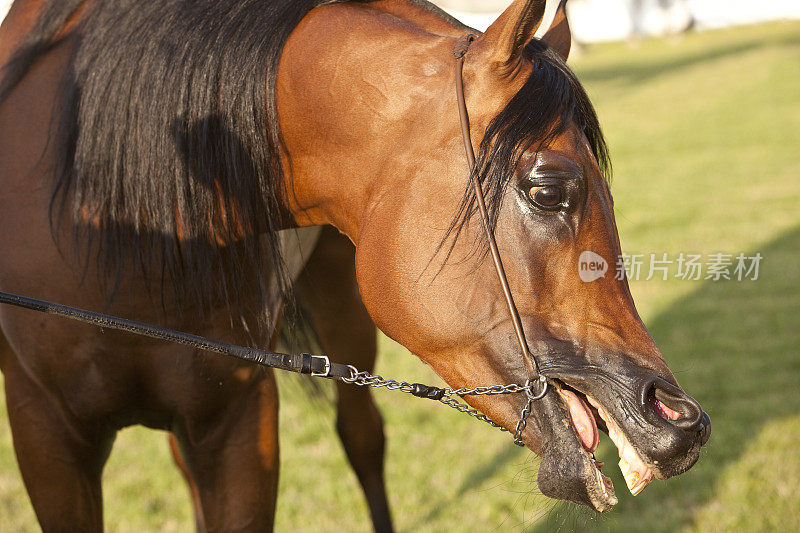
[(588, 417)]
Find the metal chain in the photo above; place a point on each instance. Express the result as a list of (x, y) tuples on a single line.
[(446, 396), (471, 411), (522, 422)]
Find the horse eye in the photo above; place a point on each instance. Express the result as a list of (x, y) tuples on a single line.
[(547, 197)]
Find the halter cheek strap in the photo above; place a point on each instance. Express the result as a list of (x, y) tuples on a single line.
[(460, 50)]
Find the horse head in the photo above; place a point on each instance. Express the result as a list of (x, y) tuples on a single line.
[(385, 151)]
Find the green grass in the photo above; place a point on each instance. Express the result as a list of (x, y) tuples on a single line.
[(705, 136)]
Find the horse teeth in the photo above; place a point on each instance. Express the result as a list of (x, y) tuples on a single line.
[(631, 477), (636, 478), (641, 484), (636, 482), (607, 487), (639, 488)]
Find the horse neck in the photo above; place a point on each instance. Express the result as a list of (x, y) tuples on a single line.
[(362, 93)]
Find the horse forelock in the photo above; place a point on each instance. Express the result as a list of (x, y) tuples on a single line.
[(549, 102)]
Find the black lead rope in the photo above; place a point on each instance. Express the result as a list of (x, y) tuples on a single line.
[(314, 365), (304, 363)]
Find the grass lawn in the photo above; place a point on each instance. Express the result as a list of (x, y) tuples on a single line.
[(705, 139)]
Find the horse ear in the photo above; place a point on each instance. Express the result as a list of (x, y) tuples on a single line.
[(558, 36), (512, 30)]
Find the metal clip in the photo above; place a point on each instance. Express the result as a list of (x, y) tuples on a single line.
[(529, 389)]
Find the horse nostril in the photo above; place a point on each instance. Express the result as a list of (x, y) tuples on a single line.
[(673, 405)]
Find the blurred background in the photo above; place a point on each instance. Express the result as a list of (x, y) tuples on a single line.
[(700, 101), (612, 20)]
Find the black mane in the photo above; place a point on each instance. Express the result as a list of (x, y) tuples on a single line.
[(551, 100), (168, 139)]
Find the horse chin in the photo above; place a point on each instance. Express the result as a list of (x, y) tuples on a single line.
[(569, 471), (573, 476)]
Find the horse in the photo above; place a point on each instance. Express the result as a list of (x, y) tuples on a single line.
[(153, 152)]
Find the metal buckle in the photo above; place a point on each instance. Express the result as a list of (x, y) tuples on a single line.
[(327, 371)]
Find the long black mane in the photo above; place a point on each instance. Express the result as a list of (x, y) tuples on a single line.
[(168, 139)]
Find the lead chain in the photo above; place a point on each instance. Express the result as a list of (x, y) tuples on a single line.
[(446, 396), (522, 422)]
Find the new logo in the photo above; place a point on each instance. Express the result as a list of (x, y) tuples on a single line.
[(591, 266)]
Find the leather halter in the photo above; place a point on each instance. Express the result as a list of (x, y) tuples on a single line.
[(460, 50)]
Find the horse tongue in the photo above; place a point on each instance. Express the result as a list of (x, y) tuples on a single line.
[(582, 419)]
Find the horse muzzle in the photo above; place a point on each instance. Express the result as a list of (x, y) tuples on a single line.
[(657, 428)]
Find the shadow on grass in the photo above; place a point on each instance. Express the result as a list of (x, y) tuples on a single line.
[(733, 346), (634, 71), (484, 472), (476, 479)]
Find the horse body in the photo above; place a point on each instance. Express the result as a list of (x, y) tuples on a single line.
[(370, 144), (71, 387)]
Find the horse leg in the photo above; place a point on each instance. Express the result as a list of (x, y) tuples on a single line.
[(230, 460), (328, 292), (187, 476), (360, 429), (60, 461)]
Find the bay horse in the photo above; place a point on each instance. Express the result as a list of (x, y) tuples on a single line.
[(150, 154)]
